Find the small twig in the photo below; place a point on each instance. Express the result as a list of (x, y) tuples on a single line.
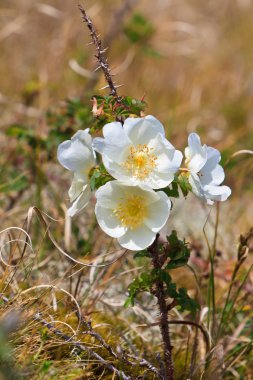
[(101, 57), (144, 363), (141, 361), (81, 347), (99, 338)]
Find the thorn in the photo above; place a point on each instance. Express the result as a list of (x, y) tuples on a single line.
[(103, 88), (99, 67), (119, 85)]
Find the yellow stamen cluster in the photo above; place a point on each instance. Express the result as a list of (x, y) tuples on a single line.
[(140, 162), (131, 211)]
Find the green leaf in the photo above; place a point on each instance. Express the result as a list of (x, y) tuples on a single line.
[(129, 301), (138, 29), (172, 190), (177, 251), (143, 253), (183, 182), (186, 302), (99, 177), (140, 284), (172, 290)]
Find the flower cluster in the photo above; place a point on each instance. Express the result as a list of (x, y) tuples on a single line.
[(133, 206)]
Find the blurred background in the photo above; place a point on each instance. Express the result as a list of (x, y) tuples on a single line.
[(192, 62)]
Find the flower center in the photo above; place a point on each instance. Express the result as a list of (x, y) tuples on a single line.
[(140, 162), (131, 211)]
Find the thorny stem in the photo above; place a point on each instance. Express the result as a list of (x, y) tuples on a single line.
[(163, 309), (101, 57)]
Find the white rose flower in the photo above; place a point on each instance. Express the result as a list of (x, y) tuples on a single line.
[(78, 156), (138, 153), (131, 214), (205, 173)]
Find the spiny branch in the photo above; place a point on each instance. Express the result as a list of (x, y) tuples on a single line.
[(81, 347), (100, 55), (141, 361)]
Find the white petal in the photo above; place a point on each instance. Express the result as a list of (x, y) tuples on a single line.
[(117, 151), (158, 212), (75, 156), (137, 239), (109, 195), (169, 159), (108, 222), (113, 192), (197, 189), (77, 186), (114, 143), (157, 180), (176, 161), (142, 130), (195, 153), (212, 173), (113, 131), (81, 201), (148, 194), (83, 136), (217, 193)]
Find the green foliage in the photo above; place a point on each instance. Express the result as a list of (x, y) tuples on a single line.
[(141, 254), (147, 282), (186, 302), (138, 29), (140, 284), (178, 251), (172, 190), (46, 365), (183, 183), (99, 177), (17, 182), (107, 109), (180, 182), (75, 113), (23, 133)]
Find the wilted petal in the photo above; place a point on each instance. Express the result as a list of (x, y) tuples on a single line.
[(81, 201), (77, 186)]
